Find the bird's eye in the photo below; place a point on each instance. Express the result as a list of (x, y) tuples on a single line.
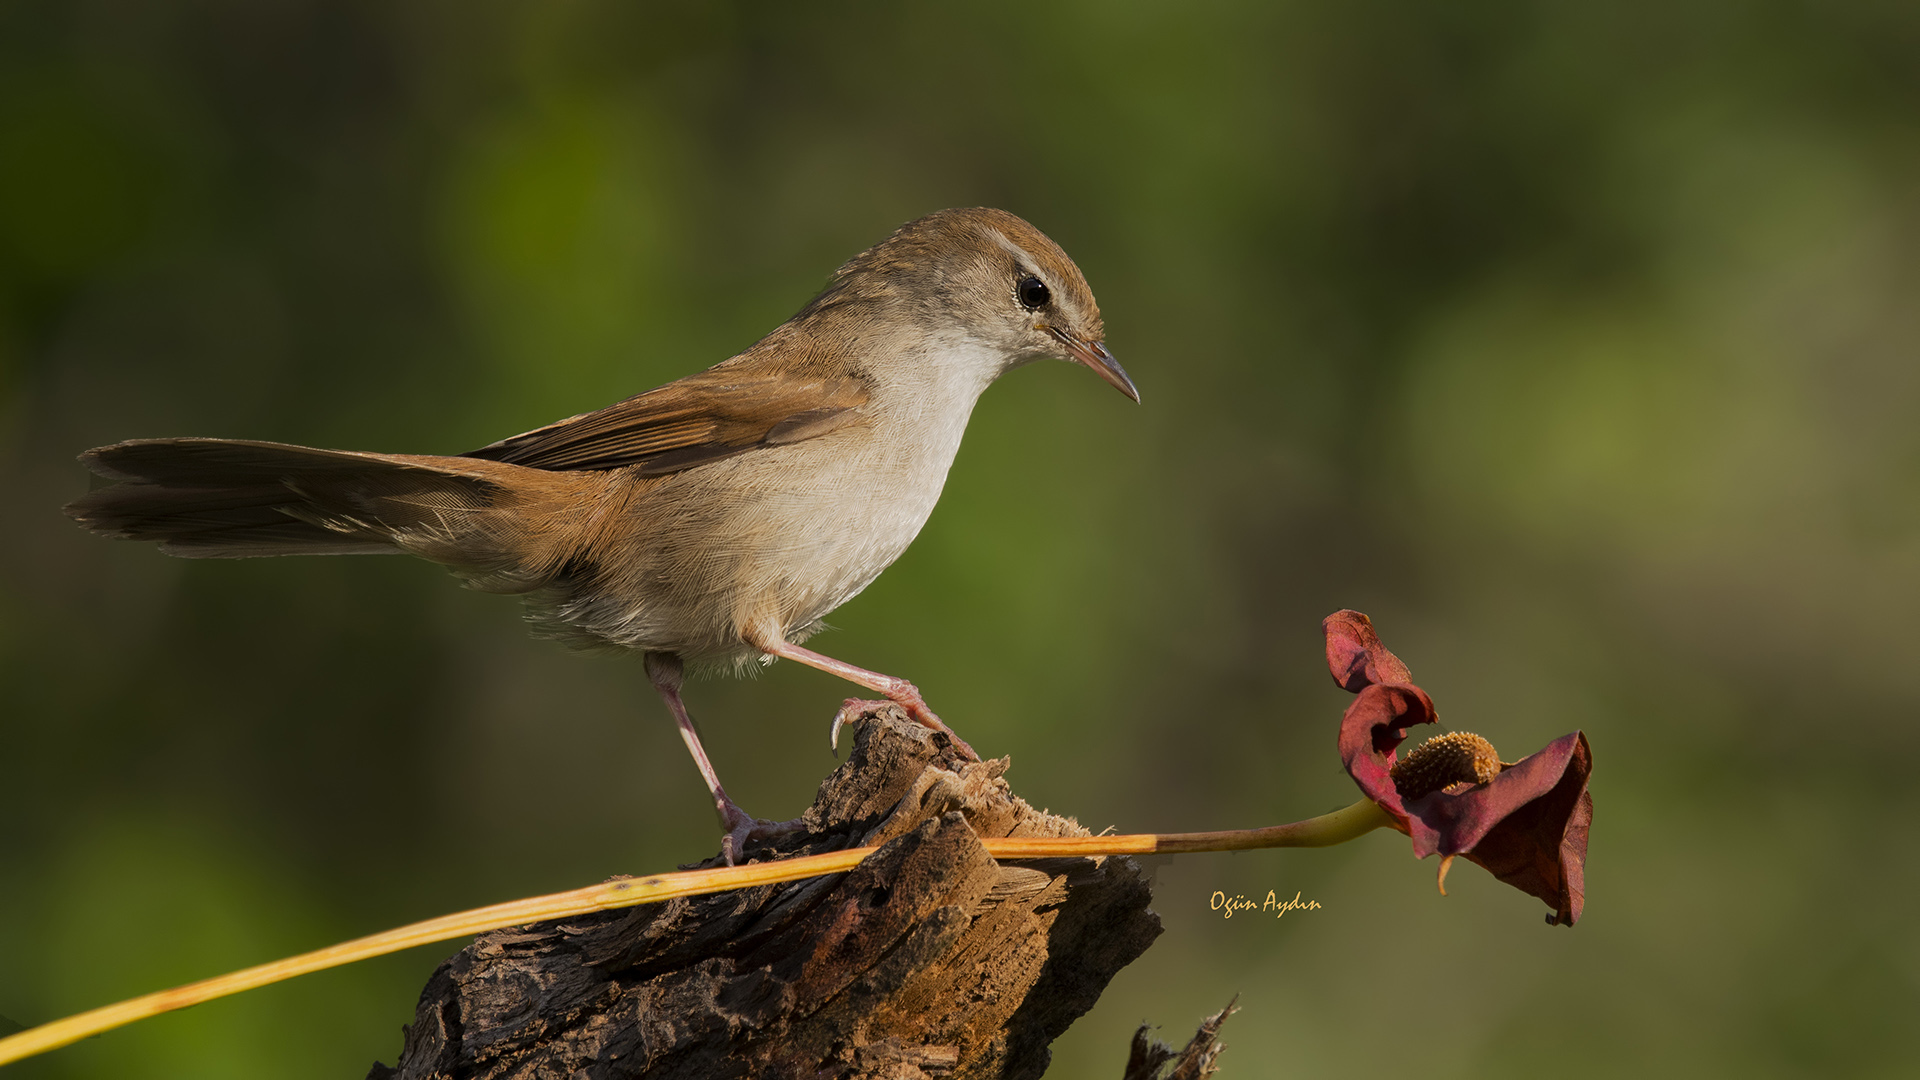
[(1032, 292)]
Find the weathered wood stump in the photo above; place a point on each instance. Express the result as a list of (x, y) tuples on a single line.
[(929, 959), (1150, 1059)]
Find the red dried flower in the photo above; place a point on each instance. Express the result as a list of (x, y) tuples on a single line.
[(1525, 822)]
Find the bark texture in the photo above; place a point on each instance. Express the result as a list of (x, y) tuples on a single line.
[(1151, 1059), (928, 960)]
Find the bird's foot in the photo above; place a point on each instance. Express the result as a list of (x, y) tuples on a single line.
[(912, 704), (898, 691), (743, 828)]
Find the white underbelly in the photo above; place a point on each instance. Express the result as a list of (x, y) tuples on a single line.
[(768, 542), (772, 540), (830, 537)]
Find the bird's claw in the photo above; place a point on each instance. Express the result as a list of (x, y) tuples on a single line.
[(915, 707), (743, 828)]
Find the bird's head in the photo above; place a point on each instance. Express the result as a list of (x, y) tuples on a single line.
[(989, 277)]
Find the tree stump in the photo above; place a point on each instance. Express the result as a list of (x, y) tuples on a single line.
[(928, 960), (1150, 1059)]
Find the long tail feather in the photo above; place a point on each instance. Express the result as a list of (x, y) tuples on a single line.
[(223, 498)]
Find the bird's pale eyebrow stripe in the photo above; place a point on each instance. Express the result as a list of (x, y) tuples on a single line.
[(1026, 260)]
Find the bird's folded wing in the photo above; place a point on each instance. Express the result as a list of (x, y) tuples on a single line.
[(700, 418)]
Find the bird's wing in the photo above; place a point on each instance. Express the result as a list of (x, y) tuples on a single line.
[(701, 418)]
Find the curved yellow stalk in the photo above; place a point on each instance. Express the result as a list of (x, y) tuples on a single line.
[(1340, 826)]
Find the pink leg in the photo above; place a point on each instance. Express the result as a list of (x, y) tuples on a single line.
[(899, 691), (738, 826)]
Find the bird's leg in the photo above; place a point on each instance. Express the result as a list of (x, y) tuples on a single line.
[(736, 825), (899, 691)]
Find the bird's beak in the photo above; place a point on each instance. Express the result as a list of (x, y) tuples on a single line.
[(1094, 354)]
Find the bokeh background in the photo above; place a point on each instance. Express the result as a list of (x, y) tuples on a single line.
[(1578, 344)]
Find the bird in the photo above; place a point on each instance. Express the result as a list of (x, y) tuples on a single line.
[(711, 522)]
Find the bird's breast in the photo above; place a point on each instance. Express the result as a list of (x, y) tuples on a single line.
[(855, 501), (774, 539)]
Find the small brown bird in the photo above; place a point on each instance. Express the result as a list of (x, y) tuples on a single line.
[(713, 521)]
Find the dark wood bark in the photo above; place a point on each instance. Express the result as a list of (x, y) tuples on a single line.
[(1152, 1059), (928, 960)]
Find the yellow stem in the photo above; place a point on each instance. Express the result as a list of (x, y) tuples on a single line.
[(1335, 828)]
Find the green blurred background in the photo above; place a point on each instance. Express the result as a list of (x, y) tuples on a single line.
[(1578, 344)]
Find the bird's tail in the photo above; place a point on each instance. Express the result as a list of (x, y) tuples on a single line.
[(235, 499)]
